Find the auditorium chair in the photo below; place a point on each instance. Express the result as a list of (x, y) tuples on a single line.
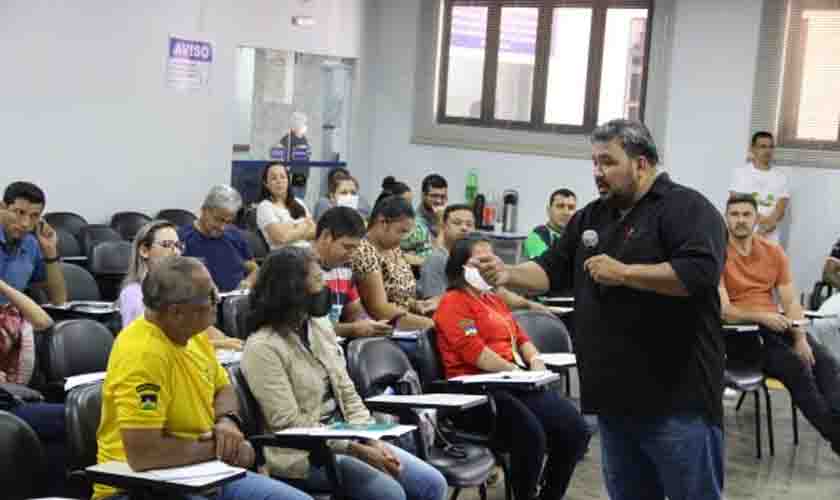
[(128, 223), (375, 364), (22, 460), (70, 222), (177, 216), (548, 334)]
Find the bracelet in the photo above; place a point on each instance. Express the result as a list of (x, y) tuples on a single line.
[(52, 260)]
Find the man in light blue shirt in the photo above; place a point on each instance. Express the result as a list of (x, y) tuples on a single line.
[(28, 245)]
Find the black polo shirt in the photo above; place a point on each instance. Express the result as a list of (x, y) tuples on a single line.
[(641, 353)]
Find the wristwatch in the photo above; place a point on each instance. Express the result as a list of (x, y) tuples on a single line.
[(233, 417)]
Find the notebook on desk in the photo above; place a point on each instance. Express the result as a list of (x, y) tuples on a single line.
[(85, 306), (188, 478), (509, 377), (343, 430), (439, 401)]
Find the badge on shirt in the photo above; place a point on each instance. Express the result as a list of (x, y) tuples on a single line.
[(468, 326), (148, 394)]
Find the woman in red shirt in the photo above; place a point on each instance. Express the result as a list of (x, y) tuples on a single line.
[(477, 333)]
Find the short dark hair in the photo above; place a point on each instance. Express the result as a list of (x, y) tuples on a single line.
[(337, 170), (565, 193), (335, 180), (433, 181), (458, 257), (341, 222), (391, 208), (26, 190), (391, 187), (761, 134), (742, 198), (457, 207), (280, 296), (635, 138), (296, 210)]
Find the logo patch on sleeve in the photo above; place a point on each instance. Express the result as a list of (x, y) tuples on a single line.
[(468, 327), (148, 394)]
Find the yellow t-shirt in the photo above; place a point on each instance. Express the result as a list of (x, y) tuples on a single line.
[(153, 383)]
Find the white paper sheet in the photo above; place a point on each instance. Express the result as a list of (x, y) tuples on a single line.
[(449, 400), (85, 378), (558, 359)]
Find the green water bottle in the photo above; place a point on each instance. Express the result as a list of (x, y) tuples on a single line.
[(472, 186)]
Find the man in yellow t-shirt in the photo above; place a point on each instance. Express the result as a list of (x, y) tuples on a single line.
[(166, 401)]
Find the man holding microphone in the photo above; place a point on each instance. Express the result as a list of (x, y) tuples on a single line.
[(644, 261)]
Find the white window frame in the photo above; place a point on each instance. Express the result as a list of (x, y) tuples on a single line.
[(427, 131), (767, 91)]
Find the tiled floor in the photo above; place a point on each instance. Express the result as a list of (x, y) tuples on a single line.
[(809, 471)]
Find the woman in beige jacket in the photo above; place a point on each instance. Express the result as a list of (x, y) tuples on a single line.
[(296, 370)]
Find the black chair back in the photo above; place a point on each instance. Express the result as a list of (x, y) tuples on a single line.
[(235, 317), (249, 409), (256, 243), (92, 234), (68, 245), (822, 291), (70, 222), (177, 216), (22, 459), (109, 262), (128, 223), (547, 331), (83, 409), (81, 285), (78, 346), (375, 364), (427, 361)]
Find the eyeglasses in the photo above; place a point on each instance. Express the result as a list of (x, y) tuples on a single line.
[(170, 244)]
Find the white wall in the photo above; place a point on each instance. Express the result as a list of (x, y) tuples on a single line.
[(84, 111), (712, 72)]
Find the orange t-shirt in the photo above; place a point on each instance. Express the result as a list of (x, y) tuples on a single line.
[(750, 280), (467, 324)]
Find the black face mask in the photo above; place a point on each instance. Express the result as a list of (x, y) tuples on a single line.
[(319, 303)]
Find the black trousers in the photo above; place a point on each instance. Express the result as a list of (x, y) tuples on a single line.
[(530, 425), (815, 390)]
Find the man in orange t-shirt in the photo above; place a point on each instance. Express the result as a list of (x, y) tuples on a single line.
[(755, 269)]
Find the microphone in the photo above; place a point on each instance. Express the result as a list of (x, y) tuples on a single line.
[(590, 240), (590, 243)]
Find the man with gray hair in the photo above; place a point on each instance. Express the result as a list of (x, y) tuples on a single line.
[(215, 240), (644, 261), (166, 400)]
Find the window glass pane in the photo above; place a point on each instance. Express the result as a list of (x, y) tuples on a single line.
[(567, 66), (819, 101), (466, 61), (623, 64), (515, 74)]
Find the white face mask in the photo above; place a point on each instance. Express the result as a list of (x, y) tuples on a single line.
[(474, 279), (347, 200)]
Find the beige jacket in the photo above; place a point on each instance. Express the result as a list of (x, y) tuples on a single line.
[(288, 382)]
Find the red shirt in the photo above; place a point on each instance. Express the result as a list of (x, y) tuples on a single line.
[(467, 324)]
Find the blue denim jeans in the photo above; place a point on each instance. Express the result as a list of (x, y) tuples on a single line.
[(360, 481), (679, 456), (251, 487)]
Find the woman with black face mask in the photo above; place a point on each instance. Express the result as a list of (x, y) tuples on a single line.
[(296, 371)]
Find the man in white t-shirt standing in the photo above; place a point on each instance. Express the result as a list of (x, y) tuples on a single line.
[(766, 184)]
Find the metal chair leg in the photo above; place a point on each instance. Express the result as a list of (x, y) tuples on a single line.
[(568, 377), (506, 475), (795, 422), (482, 492), (769, 421), (757, 425), (455, 493), (740, 401)]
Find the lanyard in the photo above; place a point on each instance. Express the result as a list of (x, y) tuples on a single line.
[(514, 349)]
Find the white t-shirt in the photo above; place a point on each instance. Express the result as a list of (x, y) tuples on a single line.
[(767, 186), (269, 213)]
